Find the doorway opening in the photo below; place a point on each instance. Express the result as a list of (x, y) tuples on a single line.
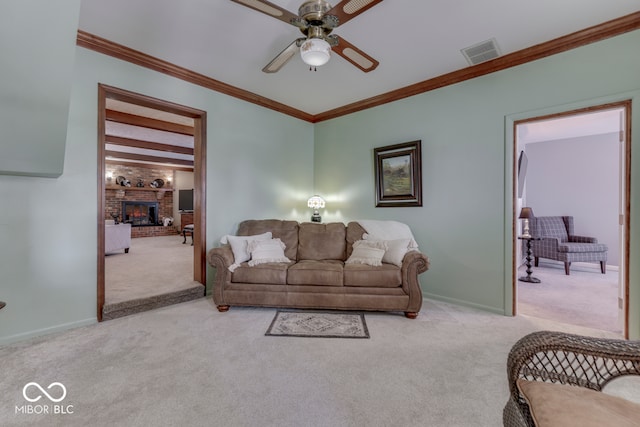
[(144, 138), (574, 164)]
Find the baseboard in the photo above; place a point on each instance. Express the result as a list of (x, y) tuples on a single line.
[(426, 295), (47, 331)]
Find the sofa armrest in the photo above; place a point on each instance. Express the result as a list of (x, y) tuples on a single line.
[(582, 239), (413, 264), (220, 258), (557, 357)]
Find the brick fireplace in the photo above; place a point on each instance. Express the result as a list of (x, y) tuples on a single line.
[(140, 214), (145, 207)]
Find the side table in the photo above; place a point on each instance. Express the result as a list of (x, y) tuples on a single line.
[(529, 278)]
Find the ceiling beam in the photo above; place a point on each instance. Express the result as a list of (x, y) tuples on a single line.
[(132, 119), (112, 155), (147, 165), (147, 145)]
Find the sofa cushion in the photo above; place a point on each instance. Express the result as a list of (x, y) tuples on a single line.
[(354, 233), (551, 226), (582, 247), (395, 251), (563, 405), (287, 231), (383, 276), (268, 274), (367, 252), (313, 272), (264, 251), (239, 247), (322, 241)]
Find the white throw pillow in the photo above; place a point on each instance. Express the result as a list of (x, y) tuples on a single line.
[(239, 247), (264, 251), (396, 250), (367, 252)]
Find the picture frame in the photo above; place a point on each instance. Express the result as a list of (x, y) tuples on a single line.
[(398, 175)]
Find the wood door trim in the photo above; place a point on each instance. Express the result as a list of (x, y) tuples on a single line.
[(200, 182), (627, 104)]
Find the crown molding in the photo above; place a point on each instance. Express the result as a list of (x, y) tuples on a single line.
[(574, 40), (561, 44), (107, 47)]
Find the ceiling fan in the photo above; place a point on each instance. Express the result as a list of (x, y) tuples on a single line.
[(316, 19)]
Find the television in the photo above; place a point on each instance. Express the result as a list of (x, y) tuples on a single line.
[(185, 200)]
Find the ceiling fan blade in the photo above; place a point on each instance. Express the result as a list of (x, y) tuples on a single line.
[(349, 9), (355, 55), (283, 57), (274, 11)]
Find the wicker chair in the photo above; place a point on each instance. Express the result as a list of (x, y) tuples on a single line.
[(559, 243), (556, 357)]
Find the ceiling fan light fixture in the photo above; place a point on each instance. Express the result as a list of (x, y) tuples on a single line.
[(315, 52)]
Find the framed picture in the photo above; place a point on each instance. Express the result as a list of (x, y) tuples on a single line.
[(398, 175)]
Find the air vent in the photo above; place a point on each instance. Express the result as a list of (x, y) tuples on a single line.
[(481, 52)]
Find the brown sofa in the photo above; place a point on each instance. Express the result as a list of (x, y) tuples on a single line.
[(317, 276)]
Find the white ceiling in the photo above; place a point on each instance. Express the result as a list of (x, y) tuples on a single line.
[(413, 40)]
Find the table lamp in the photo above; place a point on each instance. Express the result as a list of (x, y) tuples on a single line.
[(526, 214), (315, 203)]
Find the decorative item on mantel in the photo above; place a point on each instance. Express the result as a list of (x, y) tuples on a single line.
[(124, 182), (140, 183), (157, 183), (316, 202)]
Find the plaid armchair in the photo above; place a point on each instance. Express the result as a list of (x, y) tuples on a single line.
[(559, 243)]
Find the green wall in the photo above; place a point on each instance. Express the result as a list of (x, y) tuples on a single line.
[(259, 165), (464, 225)]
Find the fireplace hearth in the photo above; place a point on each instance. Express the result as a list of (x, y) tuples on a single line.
[(140, 214)]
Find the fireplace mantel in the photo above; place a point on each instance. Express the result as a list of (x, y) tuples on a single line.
[(133, 188), (160, 192)]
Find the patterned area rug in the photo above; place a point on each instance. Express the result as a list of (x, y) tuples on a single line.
[(318, 325)]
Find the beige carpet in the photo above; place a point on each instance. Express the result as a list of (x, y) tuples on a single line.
[(157, 271), (188, 365), (584, 298)]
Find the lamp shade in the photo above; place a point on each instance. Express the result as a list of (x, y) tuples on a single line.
[(526, 213), (315, 52), (315, 202)]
